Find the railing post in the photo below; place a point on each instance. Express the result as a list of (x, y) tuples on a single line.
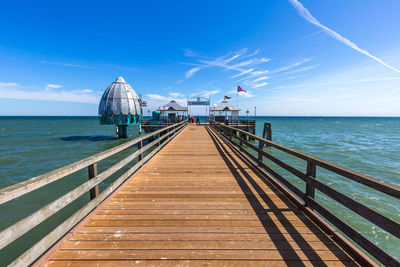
[(311, 172), (267, 132), (241, 142), (92, 171), (140, 145), (261, 147)]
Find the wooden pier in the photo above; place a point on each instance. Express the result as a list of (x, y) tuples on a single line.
[(200, 201), (243, 124)]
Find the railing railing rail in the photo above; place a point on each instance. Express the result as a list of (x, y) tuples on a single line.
[(312, 183), (23, 226)]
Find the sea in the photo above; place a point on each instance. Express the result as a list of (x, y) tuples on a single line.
[(30, 146)]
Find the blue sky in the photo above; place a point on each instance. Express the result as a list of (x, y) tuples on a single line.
[(294, 57)]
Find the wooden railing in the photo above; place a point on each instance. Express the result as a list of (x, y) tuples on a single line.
[(307, 197), (23, 226)]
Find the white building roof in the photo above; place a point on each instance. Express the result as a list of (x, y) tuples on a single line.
[(172, 106), (224, 106)]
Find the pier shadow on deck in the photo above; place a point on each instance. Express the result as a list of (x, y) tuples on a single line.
[(245, 179)]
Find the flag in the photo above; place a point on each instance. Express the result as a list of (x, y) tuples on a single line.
[(227, 97), (240, 89)]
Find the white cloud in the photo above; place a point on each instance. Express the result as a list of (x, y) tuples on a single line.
[(307, 15), (213, 92), (53, 86), (301, 69), (259, 72), (242, 73), (291, 66), (7, 84), (253, 74), (339, 82), (249, 81), (246, 94), (85, 91), (263, 78), (255, 61), (71, 96), (157, 100), (176, 94), (16, 91), (364, 89), (66, 64), (192, 71), (231, 62), (157, 97), (236, 55), (205, 93), (190, 53), (242, 94), (243, 63), (260, 85)]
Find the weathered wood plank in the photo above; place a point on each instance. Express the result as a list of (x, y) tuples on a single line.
[(204, 244), (310, 237), (198, 229), (209, 262), (243, 254), (222, 217), (199, 223)]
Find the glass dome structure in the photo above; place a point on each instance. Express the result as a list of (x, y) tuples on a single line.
[(120, 105)]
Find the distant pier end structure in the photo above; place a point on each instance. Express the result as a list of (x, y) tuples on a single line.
[(121, 106), (173, 112), (225, 112), (228, 114)]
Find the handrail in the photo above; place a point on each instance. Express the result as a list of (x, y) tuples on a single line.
[(312, 183), (23, 226), (378, 184), (17, 190)]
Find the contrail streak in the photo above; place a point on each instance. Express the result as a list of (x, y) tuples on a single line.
[(307, 15)]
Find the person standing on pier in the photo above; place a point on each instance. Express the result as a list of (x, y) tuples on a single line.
[(197, 120)]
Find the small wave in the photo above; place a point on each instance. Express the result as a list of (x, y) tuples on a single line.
[(88, 138)]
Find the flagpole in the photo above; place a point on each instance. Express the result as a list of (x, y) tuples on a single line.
[(237, 98)]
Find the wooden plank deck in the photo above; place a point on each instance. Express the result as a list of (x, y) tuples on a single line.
[(197, 203)]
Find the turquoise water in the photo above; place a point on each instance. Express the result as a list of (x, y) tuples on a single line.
[(30, 146), (368, 145)]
